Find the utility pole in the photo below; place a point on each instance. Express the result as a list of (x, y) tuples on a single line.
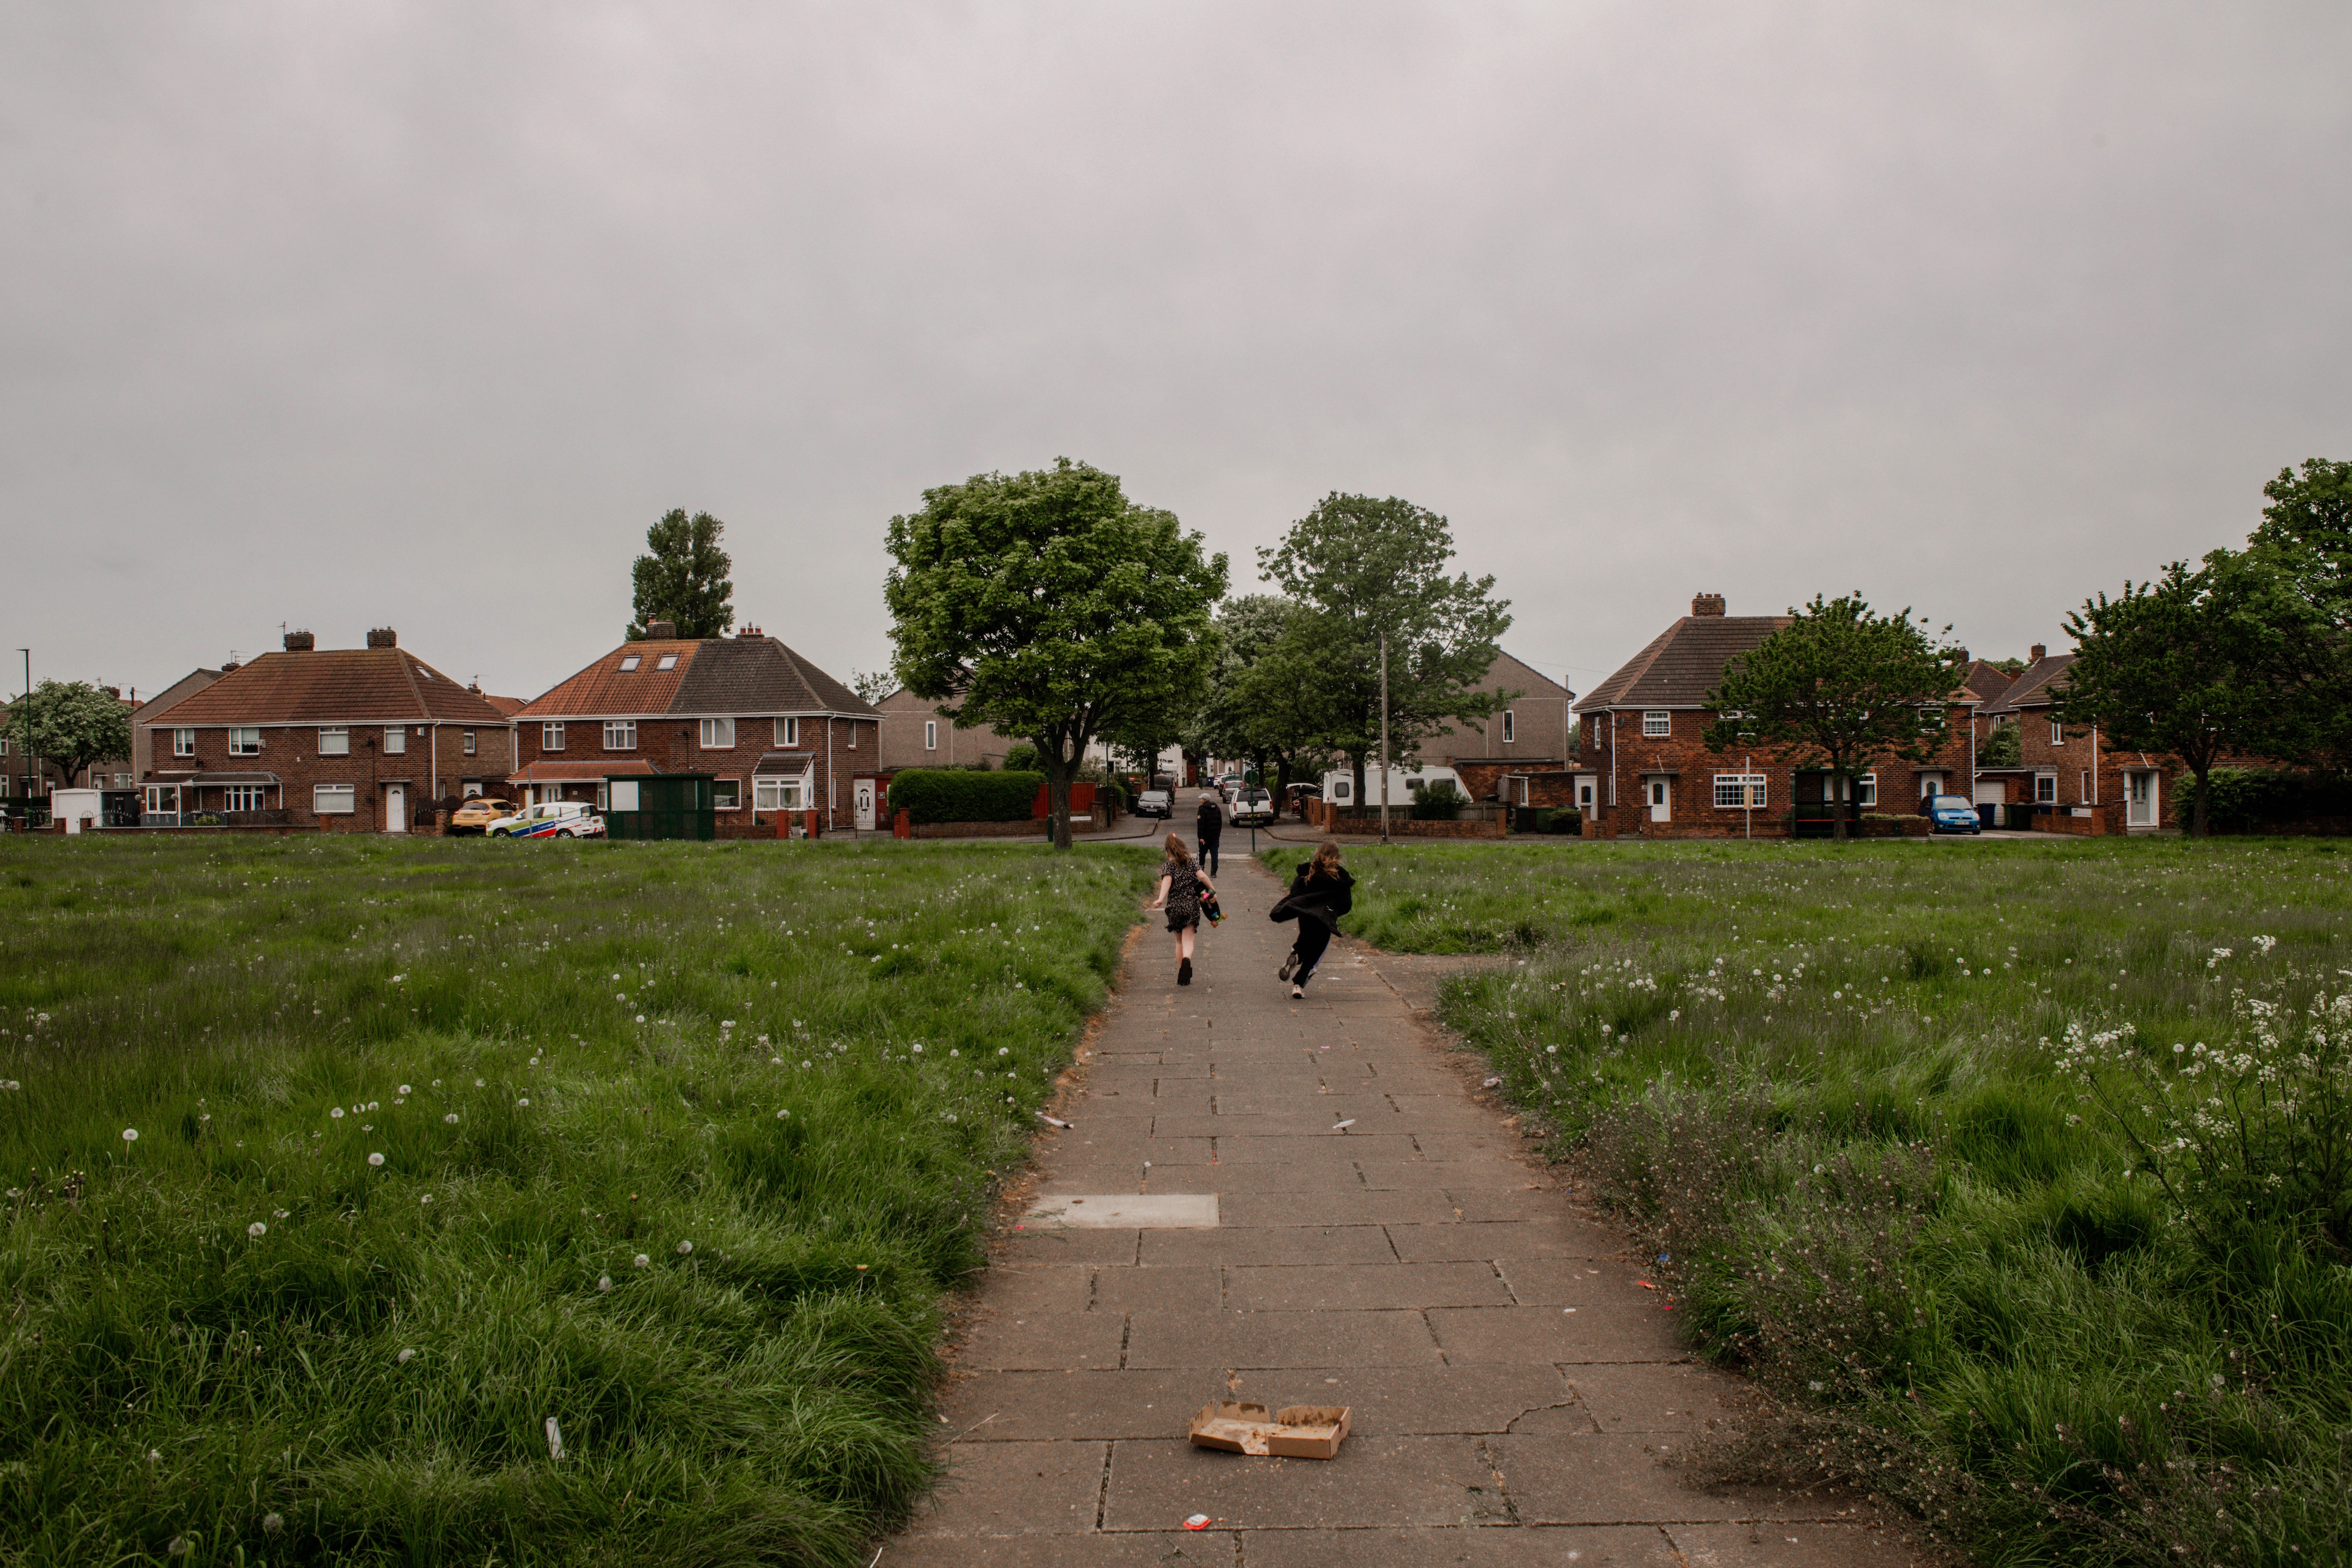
[(1384, 735), (28, 735)]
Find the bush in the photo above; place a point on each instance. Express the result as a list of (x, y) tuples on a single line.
[(2004, 748), (1024, 758), (1441, 803), (941, 795), (2245, 799), (1565, 820)]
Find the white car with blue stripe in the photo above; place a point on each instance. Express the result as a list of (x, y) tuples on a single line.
[(550, 820)]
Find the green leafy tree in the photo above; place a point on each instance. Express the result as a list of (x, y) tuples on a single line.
[(2205, 664), (872, 685), (1257, 707), (1056, 608), (683, 578), (2004, 748), (74, 724), (1358, 569), (1841, 686), (2306, 533)]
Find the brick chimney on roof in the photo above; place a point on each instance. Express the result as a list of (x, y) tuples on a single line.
[(383, 637), (661, 630), (1707, 605), (2039, 652), (299, 642)]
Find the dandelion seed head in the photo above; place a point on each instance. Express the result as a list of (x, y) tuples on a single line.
[(256, 1230), (643, 1261)]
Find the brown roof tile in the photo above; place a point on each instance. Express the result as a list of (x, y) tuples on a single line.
[(1684, 663), (331, 686), (714, 676), (1986, 681), (2038, 687)]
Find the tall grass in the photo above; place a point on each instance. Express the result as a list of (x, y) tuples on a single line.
[(677, 1147), (1827, 1080)]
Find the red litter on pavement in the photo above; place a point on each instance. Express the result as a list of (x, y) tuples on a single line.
[(1198, 1521)]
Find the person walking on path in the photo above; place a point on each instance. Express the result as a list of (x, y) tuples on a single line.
[(1181, 886), (1212, 829), (1320, 893)]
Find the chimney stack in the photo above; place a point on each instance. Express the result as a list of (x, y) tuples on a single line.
[(661, 630), (2039, 652), (383, 637), (302, 641), (1707, 605)]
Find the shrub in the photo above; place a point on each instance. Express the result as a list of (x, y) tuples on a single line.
[(2244, 800), (1565, 820), (1441, 803), (2004, 748), (941, 795), (1024, 758)]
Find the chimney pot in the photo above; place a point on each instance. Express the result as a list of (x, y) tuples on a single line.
[(302, 641), (383, 637), (2040, 652), (1707, 605), (661, 630)]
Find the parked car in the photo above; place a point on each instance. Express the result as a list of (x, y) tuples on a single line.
[(1153, 803), (550, 820), (476, 815), (1954, 814), (1253, 807)]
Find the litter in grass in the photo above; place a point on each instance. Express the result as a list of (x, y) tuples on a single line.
[(1050, 1121), (1198, 1521)]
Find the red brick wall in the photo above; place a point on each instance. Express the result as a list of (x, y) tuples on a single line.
[(291, 752), (674, 746)]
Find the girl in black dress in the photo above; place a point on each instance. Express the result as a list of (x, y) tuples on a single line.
[(1181, 886), (1320, 895)]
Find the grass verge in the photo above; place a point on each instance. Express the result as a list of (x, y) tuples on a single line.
[(1924, 1134), (493, 1202)]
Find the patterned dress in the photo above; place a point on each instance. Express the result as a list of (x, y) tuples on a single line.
[(1183, 893)]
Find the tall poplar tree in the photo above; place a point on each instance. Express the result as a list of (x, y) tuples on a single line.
[(683, 578)]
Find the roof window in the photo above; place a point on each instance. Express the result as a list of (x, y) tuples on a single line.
[(628, 664), (667, 662), (422, 674)]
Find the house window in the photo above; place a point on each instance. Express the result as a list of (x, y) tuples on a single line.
[(2083, 786), (718, 735), (2057, 732), (1732, 792), (335, 742), (395, 739), (248, 796), (123, 781), (245, 741), (930, 735), (628, 664), (1510, 727), (333, 799), (727, 794), (667, 662), (788, 732), (2045, 788), (620, 735), (603, 796), (184, 743), (780, 794), (469, 743), (1656, 723), (853, 735), (551, 737), (1868, 786)]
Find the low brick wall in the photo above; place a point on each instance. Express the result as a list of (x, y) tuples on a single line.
[(1034, 828), (1327, 818)]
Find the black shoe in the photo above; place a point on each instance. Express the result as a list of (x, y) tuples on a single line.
[(1184, 972), (1289, 963)]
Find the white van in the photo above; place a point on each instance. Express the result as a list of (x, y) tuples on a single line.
[(1405, 785)]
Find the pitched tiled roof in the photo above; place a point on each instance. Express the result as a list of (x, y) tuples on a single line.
[(1684, 663), (504, 704), (587, 770), (712, 675), (1986, 681), (2038, 687), (331, 685)]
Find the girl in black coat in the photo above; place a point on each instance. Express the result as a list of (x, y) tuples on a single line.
[(1320, 893)]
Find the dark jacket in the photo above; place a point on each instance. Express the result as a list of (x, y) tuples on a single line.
[(1322, 899), (1212, 822)]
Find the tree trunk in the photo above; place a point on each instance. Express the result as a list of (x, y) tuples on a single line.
[(1060, 772), (1838, 788), (1356, 760), (2203, 826)]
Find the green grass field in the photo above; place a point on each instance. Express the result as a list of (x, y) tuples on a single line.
[(505, 1203), (1826, 1081)]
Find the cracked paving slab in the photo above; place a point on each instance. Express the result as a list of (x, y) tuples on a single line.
[(1516, 1396)]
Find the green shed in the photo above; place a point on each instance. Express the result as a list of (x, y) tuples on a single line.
[(662, 806)]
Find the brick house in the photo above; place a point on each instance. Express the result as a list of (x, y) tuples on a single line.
[(1643, 768), (357, 740), (143, 721), (776, 733), (2067, 778), (916, 736), (1522, 756)]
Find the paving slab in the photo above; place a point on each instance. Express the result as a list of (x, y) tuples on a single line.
[(1517, 1398)]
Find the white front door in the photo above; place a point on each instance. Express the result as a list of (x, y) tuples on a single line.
[(865, 788), (395, 809), (2141, 798), (1661, 799)]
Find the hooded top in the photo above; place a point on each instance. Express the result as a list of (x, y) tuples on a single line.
[(1322, 899), (1212, 819)]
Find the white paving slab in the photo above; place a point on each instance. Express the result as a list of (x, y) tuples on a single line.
[(1127, 1211)]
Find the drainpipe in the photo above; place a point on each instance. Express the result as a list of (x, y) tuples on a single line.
[(830, 814), (1612, 757)]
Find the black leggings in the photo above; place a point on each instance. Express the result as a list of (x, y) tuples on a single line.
[(1209, 856), (1313, 937)]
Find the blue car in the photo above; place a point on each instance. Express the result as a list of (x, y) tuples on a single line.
[(1953, 814)]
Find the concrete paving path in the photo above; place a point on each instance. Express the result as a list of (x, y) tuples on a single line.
[(1514, 1389)]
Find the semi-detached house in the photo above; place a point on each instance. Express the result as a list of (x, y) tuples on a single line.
[(774, 732), (360, 738)]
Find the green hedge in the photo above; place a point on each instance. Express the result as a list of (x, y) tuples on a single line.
[(943, 795), (2246, 799)]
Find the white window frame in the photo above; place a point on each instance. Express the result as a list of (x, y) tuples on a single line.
[(781, 792), (396, 740), (245, 740), (851, 744), (734, 787), (1510, 727), (711, 732), (1866, 789), (184, 743), (2083, 785), (603, 796), (1737, 792), (2057, 732), (930, 735), (334, 741), (469, 743), (334, 799), (254, 797), (551, 735), (2045, 789), (620, 735), (667, 662), (1657, 723), (788, 731), (628, 663)]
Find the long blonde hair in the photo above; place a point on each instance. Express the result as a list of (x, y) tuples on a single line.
[(1326, 859), (1177, 852)]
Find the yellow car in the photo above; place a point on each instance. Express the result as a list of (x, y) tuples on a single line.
[(476, 815)]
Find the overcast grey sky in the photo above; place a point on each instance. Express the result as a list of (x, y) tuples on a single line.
[(417, 315)]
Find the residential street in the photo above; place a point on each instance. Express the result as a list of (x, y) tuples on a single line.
[(1379, 1240)]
